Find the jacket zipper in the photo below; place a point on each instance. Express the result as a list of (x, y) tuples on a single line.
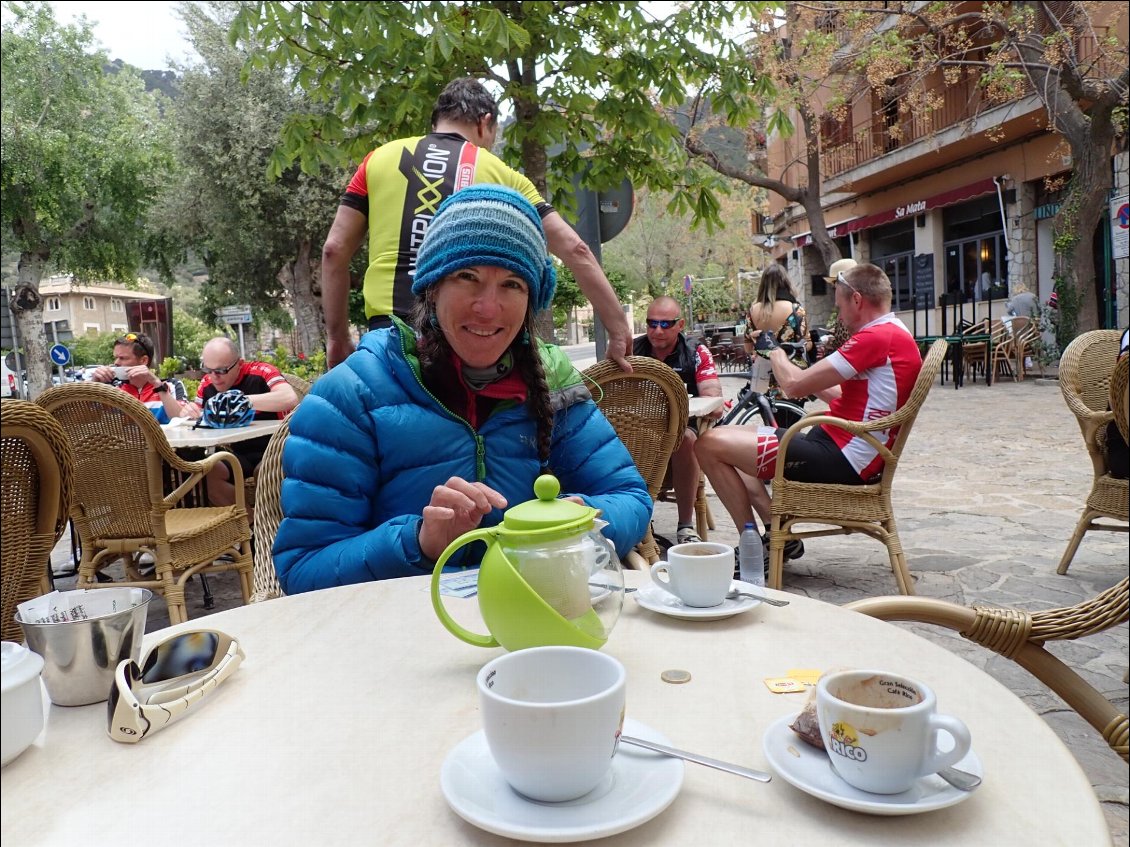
[(480, 445)]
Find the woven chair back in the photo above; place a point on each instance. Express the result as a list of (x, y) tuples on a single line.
[(1086, 366), (648, 408), (268, 516), (1119, 396), (118, 449), (301, 387), (1020, 635), (35, 498)]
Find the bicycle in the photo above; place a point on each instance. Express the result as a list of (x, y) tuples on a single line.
[(752, 406)]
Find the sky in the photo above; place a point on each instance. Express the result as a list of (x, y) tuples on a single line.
[(143, 33)]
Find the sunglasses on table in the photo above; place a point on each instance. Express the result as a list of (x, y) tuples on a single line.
[(662, 324), (172, 677), (220, 371)]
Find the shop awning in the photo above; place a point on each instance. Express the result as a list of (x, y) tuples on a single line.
[(914, 206)]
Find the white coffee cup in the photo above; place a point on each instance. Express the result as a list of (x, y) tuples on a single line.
[(121, 373), (881, 729), (699, 572), (552, 718)]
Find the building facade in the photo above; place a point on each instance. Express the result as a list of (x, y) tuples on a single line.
[(954, 204), (103, 307)]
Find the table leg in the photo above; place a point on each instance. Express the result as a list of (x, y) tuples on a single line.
[(958, 366)]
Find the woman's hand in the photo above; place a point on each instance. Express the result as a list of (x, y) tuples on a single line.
[(456, 507)]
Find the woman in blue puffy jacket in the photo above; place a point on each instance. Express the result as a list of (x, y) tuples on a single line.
[(428, 431)]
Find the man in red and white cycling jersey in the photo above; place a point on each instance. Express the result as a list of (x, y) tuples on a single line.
[(268, 392), (869, 376), (666, 342)]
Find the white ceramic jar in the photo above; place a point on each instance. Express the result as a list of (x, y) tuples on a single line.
[(21, 697)]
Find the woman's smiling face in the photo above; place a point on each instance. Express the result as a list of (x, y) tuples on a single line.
[(481, 310)]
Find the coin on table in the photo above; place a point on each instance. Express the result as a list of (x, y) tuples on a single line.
[(675, 677)]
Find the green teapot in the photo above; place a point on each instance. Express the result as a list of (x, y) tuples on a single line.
[(548, 577)]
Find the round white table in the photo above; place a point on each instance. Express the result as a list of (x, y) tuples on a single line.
[(183, 434), (335, 728)]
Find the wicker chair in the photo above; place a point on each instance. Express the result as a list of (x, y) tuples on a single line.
[(120, 508), (268, 516), (35, 499), (1085, 379), (850, 508), (1020, 636), (1120, 395), (301, 388), (648, 408)]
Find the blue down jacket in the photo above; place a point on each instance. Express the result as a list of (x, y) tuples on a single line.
[(369, 443)]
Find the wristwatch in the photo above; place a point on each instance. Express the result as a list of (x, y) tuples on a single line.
[(161, 388)]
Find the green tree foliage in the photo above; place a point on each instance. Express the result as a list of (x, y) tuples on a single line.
[(82, 154), (260, 237), (92, 349), (569, 296), (190, 334), (593, 80), (658, 247)]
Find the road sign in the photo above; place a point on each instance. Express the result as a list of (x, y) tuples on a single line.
[(60, 354), (234, 314)]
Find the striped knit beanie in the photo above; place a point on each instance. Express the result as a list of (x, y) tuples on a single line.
[(487, 225)]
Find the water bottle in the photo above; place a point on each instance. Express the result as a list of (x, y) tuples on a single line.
[(751, 557)]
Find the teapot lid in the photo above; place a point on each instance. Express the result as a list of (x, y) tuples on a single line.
[(546, 511)]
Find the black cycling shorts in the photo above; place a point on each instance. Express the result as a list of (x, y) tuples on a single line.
[(813, 457)]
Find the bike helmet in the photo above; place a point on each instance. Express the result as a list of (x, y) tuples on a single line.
[(230, 409)]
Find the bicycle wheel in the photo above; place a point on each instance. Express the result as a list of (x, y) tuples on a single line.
[(786, 413)]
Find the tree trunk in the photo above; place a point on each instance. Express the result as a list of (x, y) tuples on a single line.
[(1075, 224), (301, 279), (27, 308)]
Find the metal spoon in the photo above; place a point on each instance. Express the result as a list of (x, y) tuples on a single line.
[(734, 593), (748, 773), (959, 779)]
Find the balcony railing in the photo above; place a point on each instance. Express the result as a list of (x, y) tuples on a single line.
[(886, 132)]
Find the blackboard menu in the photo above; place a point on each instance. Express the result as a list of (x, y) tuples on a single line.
[(924, 281)]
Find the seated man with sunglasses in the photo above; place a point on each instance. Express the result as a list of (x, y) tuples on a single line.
[(132, 372), (694, 364), (871, 375), (271, 397)]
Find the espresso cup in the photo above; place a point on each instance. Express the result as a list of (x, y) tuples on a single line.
[(699, 572), (881, 730), (552, 718), (121, 373)]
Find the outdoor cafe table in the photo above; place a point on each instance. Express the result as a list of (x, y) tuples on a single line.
[(956, 352), (335, 728), (183, 435), (700, 406)]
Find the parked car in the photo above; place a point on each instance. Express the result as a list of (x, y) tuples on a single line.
[(9, 386)]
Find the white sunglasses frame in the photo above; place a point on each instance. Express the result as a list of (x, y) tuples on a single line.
[(134, 714)]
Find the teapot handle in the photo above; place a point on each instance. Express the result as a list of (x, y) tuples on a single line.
[(488, 535)]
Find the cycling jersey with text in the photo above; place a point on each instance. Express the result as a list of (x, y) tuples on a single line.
[(880, 364), (400, 186)]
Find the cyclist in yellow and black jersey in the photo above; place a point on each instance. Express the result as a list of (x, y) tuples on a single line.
[(396, 191)]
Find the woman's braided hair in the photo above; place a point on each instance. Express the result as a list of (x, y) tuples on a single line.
[(434, 353)]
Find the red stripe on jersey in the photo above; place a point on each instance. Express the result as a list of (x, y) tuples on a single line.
[(465, 173)]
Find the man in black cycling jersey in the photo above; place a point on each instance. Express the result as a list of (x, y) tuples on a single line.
[(395, 193), (665, 341)]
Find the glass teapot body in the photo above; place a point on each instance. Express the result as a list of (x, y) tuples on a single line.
[(575, 576), (549, 577)]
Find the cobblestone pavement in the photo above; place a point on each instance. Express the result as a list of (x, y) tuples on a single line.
[(987, 495)]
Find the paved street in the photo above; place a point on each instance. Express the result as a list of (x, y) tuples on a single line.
[(987, 496)]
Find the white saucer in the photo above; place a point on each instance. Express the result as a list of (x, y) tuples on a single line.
[(641, 785), (810, 770), (652, 597)]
